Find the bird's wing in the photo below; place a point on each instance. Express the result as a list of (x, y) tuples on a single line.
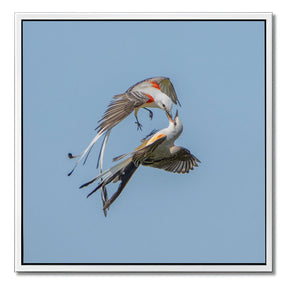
[(144, 150), (162, 83), (145, 83), (167, 88), (120, 107), (180, 161)]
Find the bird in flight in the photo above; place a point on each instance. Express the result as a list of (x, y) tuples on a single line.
[(157, 92), (157, 151)]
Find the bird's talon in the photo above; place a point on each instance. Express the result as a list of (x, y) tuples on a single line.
[(139, 126)]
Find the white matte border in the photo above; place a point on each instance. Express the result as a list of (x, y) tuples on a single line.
[(19, 267)]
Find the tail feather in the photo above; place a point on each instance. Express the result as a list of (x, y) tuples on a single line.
[(122, 156), (87, 150), (126, 175), (104, 194), (108, 175), (101, 154), (122, 173), (94, 190)]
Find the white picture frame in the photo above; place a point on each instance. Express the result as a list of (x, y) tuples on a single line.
[(205, 267)]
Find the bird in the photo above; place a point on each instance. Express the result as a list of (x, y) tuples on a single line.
[(156, 92), (157, 151)]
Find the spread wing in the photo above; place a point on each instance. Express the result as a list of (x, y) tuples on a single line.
[(179, 161), (120, 107), (165, 86)]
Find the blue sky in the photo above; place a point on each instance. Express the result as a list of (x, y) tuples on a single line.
[(216, 213)]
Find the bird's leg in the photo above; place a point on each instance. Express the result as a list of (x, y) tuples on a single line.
[(139, 125), (150, 113)]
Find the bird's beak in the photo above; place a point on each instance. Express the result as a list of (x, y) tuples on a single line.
[(169, 116), (176, 115)]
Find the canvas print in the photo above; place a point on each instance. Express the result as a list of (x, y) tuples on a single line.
[(143, 143)]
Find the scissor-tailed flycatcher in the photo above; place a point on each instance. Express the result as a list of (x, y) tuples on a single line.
[(158, 151), (157, 92)]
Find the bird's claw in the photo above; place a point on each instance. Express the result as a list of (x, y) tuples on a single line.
[(139, 126)]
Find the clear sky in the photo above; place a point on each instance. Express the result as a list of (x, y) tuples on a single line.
[(216, 213)]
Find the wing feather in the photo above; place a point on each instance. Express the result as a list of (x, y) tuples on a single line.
[(167, 88), (179, 161), (140, 155), (143, 151), (121, 106)]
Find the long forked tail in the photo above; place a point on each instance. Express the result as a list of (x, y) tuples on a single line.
[(86, 151), (122, 171)]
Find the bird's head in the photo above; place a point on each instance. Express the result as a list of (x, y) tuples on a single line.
[(165, 104), (175, 123)]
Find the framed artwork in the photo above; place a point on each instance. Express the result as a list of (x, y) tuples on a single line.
[(201, 198)]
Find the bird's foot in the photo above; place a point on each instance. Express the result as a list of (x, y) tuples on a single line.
[(150, 115), (139, 125)]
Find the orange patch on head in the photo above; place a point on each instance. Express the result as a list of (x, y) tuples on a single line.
[(155, 85), (151, 99)]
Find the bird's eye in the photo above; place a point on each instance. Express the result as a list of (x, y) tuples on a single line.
[(175, 123), (164, 105)]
